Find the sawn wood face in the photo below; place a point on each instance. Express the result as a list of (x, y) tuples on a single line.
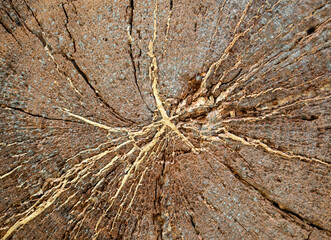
[(165, 119)]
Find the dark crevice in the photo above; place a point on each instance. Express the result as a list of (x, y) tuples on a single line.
[(134, 227), (163, 167), (132, 6), (17, 21), (308, 237), (309, 117), (9, 31), (139, 36), (66, 26), (319, 8), (195, 27), (225, 83), (240, 70), (96, 92), (72, 3), (129, 12), (310, 30), (34, 15), (135, 77), (37, 115), (39, 35), (138, 66), (197, 232), (191, 220), (297, 42), (171, 4), (119, 235), (112, 170), (287, 212)]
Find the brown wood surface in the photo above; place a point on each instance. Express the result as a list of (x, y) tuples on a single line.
[(165, 119)]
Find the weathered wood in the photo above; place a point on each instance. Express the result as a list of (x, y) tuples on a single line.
[(165, 119)]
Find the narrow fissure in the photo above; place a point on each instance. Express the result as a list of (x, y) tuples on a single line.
[(9, 31), (37, 115), (130, 10), (197, 232), (96, 92), (67, 28), (287, 212)]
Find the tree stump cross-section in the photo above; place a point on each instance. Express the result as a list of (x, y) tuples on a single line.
[(165, 119)]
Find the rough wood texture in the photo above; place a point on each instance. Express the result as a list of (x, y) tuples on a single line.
[(165, 119)]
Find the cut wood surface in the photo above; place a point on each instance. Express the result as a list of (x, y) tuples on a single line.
[(165, 119)]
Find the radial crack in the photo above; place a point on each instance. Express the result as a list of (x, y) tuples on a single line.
[(67, 28), (196, 230), (130, 10), (9, 31), (36, 115), (95, 91), (274, 203)]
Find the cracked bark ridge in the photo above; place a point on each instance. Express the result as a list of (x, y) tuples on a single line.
[(165, 119)]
